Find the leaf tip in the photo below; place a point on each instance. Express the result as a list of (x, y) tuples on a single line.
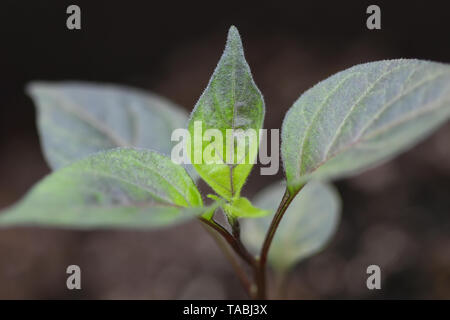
[(30, 88), (233, 32), (34, 88), (233, 38)]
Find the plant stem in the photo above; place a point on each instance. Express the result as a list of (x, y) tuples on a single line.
[(232, 259), (233, 242), (258, 265), (239, 248), (235, 228), (260, 271)]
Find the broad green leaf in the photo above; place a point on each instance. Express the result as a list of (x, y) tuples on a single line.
[(243, 208), (119, 188), (363, 116), (308, 223), (76, 119), (231, 101)]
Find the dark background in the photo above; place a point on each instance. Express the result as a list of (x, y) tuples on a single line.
[(396, 216)]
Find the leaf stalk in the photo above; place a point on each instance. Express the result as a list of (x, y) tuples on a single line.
[(260, 274)]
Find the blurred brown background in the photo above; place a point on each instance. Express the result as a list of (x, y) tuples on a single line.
[(396, 216)]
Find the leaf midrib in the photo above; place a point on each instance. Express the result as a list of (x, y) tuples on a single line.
[(381, 130), (169, 184), (233, 101), (316, 115), (376, 133), (112, 176), (358, 101), (76, 110)]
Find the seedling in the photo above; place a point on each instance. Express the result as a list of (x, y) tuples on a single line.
[(109, 147)]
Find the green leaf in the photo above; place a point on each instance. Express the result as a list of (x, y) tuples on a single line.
[(243, 208), (308, 223), (76, 119), (231, 101), (362, 116), (119, 188)]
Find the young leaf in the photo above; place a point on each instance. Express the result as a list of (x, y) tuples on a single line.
[(362, 116), (231, 101), (119, 188), (307, 225), (76, 119), (243, 208)]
